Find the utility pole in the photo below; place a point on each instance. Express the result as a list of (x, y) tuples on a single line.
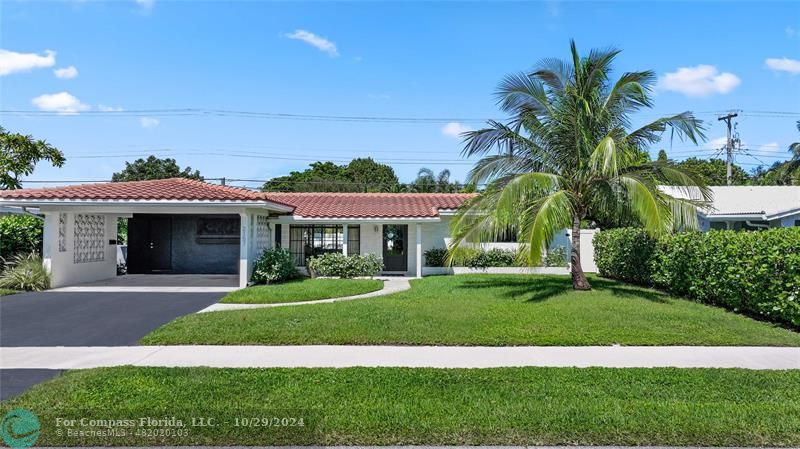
[(729, 145)]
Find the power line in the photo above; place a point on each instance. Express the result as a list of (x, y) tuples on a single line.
[(211, 112)]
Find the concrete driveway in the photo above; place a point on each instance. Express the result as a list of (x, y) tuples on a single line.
[(85, 318)]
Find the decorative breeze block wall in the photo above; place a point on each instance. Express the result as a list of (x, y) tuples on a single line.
[(89, 238)]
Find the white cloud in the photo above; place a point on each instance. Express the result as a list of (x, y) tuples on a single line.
[(791, 32), (769, 147), (146, 5), (716, 144), (104, 108), (11, 61), (784, 65), (66, 72), (454, 129), (149, 122), (62, 102), (699, 81), (318, 42)]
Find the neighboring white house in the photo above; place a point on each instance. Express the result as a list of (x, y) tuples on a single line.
[(748, 207)]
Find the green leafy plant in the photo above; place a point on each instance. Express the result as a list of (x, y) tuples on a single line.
[(25, 272), (20, 234), (556, 257), (339, 265), (492, 258), (625, 254), (755, 273), (274, 265), (435, 257)]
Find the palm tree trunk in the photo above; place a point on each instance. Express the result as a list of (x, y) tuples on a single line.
[(579, 281)]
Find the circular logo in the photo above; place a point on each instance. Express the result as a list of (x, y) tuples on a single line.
[(20, 428)]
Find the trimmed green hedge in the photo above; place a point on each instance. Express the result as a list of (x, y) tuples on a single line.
[(757, 273), (625, 254), (346, 267)]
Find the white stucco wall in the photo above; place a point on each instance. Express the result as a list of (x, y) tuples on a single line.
[(63, 269)]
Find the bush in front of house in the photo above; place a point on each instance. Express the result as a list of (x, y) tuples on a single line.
[(492, 258), (496, 257), (274, 265), (20, 234), (25, 272), (625, 254), (556, 257), (435, 257), (339, 265), (756, 273)]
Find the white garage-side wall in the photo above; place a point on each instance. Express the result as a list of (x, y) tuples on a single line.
[(78, 254)]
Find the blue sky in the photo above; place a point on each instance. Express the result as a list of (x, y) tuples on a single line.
[(382, 59)]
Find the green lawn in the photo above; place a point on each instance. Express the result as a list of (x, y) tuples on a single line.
[(302, 290), (5, 291), (380, 406), (488, 310)]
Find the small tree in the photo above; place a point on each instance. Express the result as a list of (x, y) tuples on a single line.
[(19, 155)]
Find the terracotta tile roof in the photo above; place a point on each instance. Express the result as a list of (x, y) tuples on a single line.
[(369, 205), (161, 189), (308, 205)]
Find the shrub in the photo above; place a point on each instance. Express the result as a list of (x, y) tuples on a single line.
[(20, 234), (274, 265), (492, 258), (25, 272), (625, 254), (756, 273), (435, 257), (556, 257), (339, 265)]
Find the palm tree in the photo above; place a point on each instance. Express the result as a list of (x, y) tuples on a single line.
[(429, 182), (568, 154)]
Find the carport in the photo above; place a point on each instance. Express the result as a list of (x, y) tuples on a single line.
[(177, 227)]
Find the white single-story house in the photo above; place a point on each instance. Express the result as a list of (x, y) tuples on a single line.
[(748, 207), (184, 226)]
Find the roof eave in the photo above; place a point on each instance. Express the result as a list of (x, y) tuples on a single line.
[(28, 202)]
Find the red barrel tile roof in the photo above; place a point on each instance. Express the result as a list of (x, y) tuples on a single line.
[(308, 205), (369, 205), (161, 189)]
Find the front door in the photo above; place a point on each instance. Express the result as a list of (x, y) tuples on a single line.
[(149, 244), (395, 247)]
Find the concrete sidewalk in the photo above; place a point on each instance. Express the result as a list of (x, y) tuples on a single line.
[(401, 356), (390, 285)]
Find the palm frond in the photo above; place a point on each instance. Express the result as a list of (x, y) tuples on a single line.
[(541, 221), (605, 156), (631, 92), (522, 93), (644, 203), (685, 125)]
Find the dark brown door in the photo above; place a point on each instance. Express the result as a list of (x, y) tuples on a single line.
[(395, 247), (149, 244)]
